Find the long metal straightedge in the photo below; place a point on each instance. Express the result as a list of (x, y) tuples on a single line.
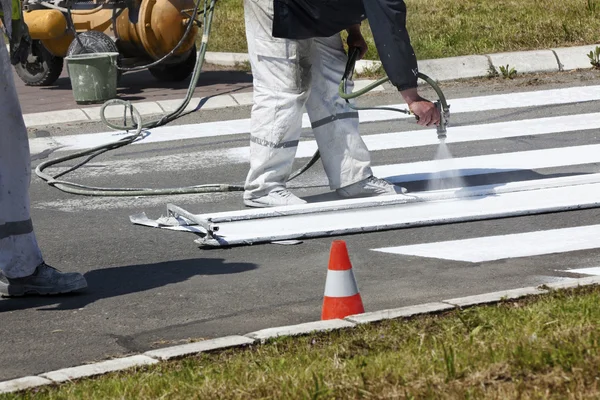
[(335, 218)]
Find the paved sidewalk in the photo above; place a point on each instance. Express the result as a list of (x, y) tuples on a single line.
[(218, 88)]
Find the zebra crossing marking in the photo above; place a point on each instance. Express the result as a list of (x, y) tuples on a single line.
[(492, 248), (241, 126)]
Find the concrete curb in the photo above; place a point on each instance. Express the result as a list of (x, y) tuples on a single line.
[(155, 356), (443, 69)]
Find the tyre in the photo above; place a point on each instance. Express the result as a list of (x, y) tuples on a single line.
[(41, 68), (93, 42), (175, 72)]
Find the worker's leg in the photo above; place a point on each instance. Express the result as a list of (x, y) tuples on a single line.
[(281, 72), (19, 252), (335, 125), (345, 156), (22, 270)]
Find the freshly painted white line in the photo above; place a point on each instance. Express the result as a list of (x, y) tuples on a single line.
[(491, 163), (472, 193), (241, 126), (501, 247), (585, 271), (429, 208)]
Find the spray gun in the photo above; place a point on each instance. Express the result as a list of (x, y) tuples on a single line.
[(441, 104)]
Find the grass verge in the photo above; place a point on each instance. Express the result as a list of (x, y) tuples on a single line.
[(447, 28), (542, 347)]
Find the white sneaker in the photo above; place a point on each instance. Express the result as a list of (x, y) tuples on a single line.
[(371, 186), (275, 198)]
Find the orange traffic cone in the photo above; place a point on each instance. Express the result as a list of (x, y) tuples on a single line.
[(341, 292)]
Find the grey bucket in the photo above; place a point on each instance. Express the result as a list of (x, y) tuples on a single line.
[(93, 77)]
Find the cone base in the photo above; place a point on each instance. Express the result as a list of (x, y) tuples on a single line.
[(341, 307)]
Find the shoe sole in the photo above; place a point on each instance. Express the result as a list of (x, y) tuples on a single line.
[(360, 196), (252, 204), (8, 291)]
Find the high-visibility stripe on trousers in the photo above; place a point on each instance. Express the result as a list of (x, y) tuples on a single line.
[(19, 251)]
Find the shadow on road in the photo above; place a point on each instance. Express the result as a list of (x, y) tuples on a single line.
[(118, 281)]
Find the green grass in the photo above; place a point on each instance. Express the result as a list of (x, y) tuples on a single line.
[(447, 28), (543, 347)]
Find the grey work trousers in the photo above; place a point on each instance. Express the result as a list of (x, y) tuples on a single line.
[(19, 251)]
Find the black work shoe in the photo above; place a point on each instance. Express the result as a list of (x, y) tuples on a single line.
[(46, 280)]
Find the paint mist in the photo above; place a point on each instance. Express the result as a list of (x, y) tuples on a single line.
[(445, 175)]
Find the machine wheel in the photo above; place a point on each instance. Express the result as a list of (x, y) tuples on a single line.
[(42, 68), (175, 72), (93, 42)]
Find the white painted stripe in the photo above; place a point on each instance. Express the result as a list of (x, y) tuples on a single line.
[(595, 271), (501, 247), (347, 216), (240, 126), (471, 193), (491, 163), (340, 284)]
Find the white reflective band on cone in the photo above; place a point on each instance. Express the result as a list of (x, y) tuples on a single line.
[(340, 284)]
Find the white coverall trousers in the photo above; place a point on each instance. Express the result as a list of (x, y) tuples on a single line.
[(288, 75), (19, 251)]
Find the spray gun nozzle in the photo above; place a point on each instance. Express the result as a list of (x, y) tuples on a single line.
[(444, 117)]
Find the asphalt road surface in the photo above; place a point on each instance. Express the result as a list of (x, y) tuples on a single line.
[(150, 287)]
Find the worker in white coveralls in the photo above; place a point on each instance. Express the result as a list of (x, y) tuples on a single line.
[(22, 268), (298, 59)]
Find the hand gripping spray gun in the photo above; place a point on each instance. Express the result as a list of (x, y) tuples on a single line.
[(441, 104)]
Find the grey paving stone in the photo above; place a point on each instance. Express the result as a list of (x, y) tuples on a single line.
[(199, 347), (67, 374), (494, 296), (54, 117), (226, 59), (116, 111), (574, 57), (455, 67), (301, 329), (526, 61), (398, 312), (244, 99), (26, 382), (204, 103), (592, 280)]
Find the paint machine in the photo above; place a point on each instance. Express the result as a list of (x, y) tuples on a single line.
[(441, 104)]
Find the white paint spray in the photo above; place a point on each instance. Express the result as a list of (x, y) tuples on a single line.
[(447, 178)]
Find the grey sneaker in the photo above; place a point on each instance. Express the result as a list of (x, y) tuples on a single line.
[(45, 280), (371, 186), (275, 198)]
